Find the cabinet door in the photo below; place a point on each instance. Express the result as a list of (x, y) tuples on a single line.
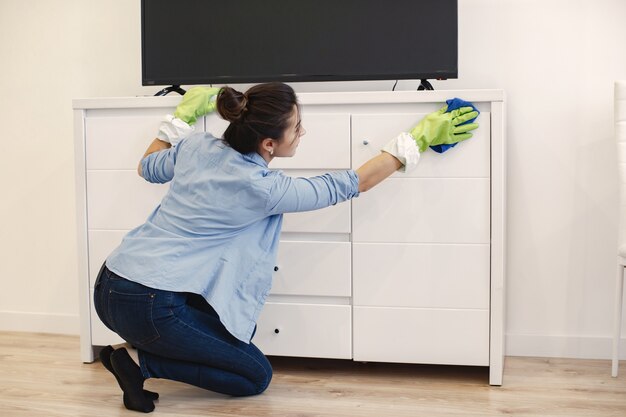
[(313, 269), (468, 159), (326, 144), (421, 275), (424, 210), (411, 335), (305, 330), (119, 142)]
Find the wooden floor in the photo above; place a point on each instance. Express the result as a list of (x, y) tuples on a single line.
[(41, 375)]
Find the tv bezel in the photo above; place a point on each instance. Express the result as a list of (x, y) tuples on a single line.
[(443, 75)]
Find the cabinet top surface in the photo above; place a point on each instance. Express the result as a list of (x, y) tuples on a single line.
[(318, 98)]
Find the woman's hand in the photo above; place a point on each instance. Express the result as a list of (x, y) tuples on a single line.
[(444, 128), (197, 102)]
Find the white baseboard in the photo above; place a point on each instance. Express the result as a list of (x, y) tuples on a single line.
[(20, 321), (578, 347)]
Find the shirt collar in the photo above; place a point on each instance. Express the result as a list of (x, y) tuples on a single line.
[(256, 158)]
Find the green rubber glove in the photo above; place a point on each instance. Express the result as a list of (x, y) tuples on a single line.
[(197, 102), (441, 128)]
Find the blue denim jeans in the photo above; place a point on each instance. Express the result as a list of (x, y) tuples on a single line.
[(179, 337)]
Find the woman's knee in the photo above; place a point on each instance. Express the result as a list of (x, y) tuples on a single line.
[(259, 383), (260, 371), (265, 382), (250, 387)]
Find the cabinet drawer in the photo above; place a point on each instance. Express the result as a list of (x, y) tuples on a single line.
[(100, 334), (313, 268), (428, 210), (326, 144), (447, 337), (333, 219), (469, 159), (101, 244), (119, 142), (120, 199), (421, 275), (307, 330)]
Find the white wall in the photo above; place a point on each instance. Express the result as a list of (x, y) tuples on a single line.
[(556, 61), (50, 52)]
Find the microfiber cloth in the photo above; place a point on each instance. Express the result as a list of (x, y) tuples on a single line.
[(454, 104)]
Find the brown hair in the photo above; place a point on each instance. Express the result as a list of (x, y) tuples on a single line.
[(261, 112)]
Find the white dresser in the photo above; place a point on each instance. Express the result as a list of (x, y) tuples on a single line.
[(411, 271)]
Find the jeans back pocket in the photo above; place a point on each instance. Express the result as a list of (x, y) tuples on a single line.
[(130, 315)]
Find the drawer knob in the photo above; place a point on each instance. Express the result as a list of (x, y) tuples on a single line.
[(276, 268), (276, 331), (366, 142)]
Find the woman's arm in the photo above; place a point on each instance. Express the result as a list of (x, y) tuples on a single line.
[(293, 194), (156, 146), (377, 169), (437, 128)]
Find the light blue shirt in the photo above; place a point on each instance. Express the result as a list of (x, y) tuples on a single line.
[(217, 229)]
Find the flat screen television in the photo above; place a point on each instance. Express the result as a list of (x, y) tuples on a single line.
[(250, 41)]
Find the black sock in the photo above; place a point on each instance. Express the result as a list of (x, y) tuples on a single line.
[(105, 358), (131, 381)]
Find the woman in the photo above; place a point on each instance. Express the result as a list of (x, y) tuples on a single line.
[(186, 287)]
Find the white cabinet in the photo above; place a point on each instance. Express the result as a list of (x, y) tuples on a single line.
[(411, 271), (421, 252)]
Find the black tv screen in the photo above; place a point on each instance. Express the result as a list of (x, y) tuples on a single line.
[(249, 41)]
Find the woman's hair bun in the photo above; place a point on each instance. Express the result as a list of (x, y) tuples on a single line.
[(231, 104), (263, 111)]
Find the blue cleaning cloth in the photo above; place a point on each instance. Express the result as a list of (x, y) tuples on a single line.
[(454, 104)]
